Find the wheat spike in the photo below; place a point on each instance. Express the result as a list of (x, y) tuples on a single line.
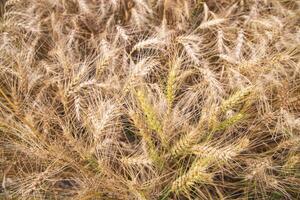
[(149, 99), (220, 154), (229, 122), (292, 163), (171, 82), (239, 45), (171, 87), (196, 174), (146, 136), (136, 160), (210, 23), (83, 6), (132, 186), (236, 99), (151, 118), (220, 42), (184, 144)]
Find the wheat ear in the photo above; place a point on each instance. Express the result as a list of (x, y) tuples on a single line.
[(211, 23), (292, 163), (146, 137), (226, 124), (196, 174), (229, 122), (236, 99), (136, 192), (151, 118), (171, 87), (139, 160), (222, 154), (175, 79), (184, 144)]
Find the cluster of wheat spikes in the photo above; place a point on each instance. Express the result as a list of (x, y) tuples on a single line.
[(150, 99)]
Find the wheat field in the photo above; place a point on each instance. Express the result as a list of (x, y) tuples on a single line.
[(150, 99)]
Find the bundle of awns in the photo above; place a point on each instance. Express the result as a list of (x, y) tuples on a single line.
[(150, 99)]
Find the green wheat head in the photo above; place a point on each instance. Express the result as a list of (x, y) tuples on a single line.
[(196, 174), (151, 117)]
